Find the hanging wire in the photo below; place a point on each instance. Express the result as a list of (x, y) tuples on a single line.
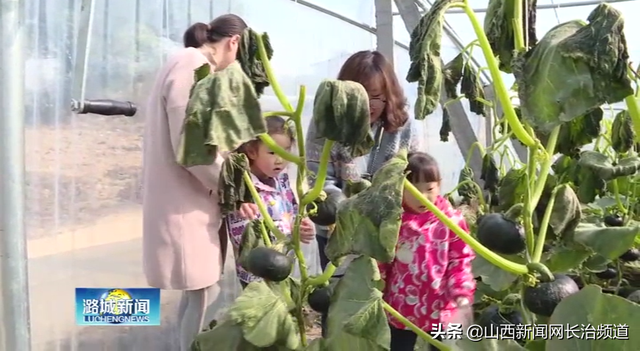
[(555, 10)]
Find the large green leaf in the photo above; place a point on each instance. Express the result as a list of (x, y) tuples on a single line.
[(573, 69), (426, 63), (452, 73), (467, 190), (594, 314), (610, 242), (249, 58), (341, 113), (563, 258), (497, 278), (577, 132), (473, 90), (223, 113), (512, 188), (587, 184), (566, 213), (490, 174), (225, 336), (596, 263), (622, 133), (603, 168), (368, 222), (356, 315), (263, 314)]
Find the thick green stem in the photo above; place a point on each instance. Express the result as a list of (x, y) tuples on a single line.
[(271, 144), (616, 195), (324, 277), (297, 119), (501, 90), (265, 236), (272, 78), (301, 326), (414, 328), (544, 225), (546, 166), (528, 203), (321, 176), (262, 208), (518, 38), (302, 264), (480, 249), (634, 112), (304, 275)]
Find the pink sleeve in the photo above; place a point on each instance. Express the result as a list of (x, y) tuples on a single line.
[(177, 88), (385, 267), (460, 280)]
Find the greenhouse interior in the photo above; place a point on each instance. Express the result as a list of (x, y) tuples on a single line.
[(72, 180)]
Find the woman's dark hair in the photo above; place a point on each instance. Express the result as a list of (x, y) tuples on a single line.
[(222, 27), (365, 66), (275, 125), (422, 168)]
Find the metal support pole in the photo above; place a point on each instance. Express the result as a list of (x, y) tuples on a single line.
[(15, 280), (83, 45), (459, 121), (384, 28)]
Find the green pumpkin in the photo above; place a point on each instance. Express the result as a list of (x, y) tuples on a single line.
[(327, 208)]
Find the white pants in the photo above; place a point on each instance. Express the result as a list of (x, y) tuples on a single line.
[(199, 307)]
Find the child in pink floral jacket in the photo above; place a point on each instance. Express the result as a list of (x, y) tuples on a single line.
[(430, 280)]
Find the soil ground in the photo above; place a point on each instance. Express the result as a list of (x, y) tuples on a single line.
[(80, 172)]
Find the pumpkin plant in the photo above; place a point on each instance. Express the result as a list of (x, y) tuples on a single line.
[(539, 228), (565, 220)]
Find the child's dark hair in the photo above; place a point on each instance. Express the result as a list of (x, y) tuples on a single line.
[(275, 125), (422, 168)]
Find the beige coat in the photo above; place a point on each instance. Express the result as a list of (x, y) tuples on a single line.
[(181, 218)]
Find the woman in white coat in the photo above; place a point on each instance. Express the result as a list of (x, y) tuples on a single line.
[(182, 247)]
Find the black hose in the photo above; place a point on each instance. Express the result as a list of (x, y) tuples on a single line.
[(104, 107)]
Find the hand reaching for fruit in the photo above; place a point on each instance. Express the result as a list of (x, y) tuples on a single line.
[(307, 231)]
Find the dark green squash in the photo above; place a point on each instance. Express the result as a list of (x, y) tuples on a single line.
[(613, 221), (320, 299), (630, 255), (543, 298), (327, 208), (269, 264), (500, 234)]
